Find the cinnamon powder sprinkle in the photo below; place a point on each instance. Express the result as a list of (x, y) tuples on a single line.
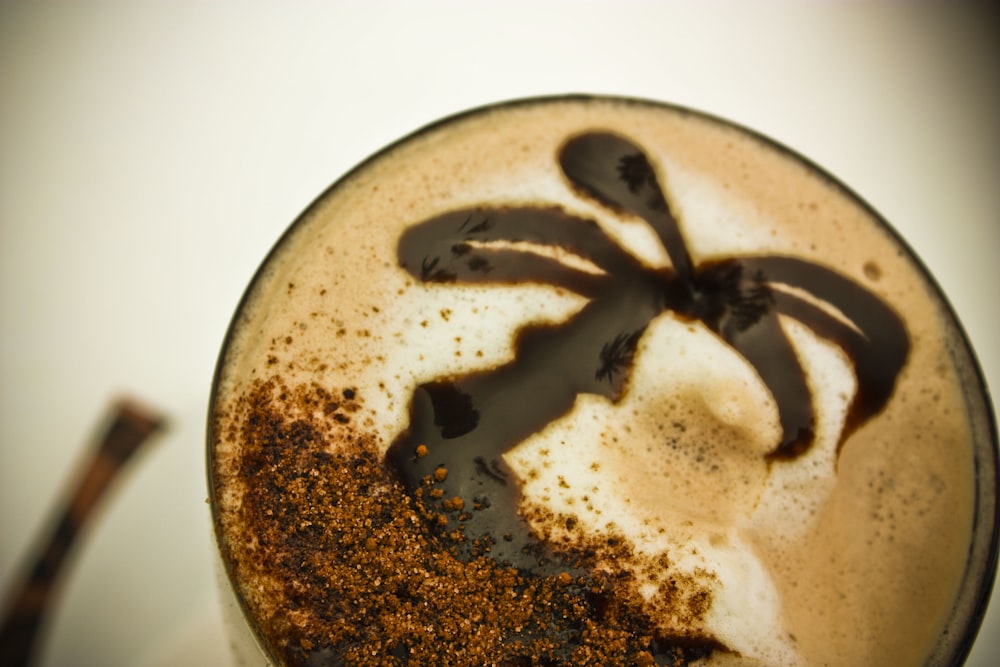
[(339, 567)]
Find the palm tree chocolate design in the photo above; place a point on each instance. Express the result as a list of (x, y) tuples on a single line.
[(449, 458)]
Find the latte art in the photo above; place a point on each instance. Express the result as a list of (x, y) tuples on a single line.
[(584, 381), (463, 426)]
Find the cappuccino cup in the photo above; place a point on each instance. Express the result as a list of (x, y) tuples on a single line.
[(599, 381)]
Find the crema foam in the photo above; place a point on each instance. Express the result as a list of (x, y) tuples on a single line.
[(588, 381)]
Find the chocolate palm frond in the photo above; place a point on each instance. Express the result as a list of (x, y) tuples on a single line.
[(871, 334), (474, 246), (738, 303), (618, 174)]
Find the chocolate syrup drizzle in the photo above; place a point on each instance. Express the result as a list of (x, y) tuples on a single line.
[(467, 423)]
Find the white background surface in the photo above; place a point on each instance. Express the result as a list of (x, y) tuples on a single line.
[(150, 154)]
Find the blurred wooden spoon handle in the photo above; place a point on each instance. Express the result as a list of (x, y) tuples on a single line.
[(130, 426)]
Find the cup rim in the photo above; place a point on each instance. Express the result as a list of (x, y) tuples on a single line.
[(976, 587)]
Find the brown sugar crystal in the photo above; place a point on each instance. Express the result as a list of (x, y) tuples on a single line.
[(343, 570)]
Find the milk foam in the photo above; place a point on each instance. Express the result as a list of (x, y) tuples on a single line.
[(797, 553)]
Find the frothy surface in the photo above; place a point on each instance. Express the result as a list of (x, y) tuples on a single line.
[(822, 559)]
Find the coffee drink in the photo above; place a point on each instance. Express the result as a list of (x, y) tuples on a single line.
[(590, 381)]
